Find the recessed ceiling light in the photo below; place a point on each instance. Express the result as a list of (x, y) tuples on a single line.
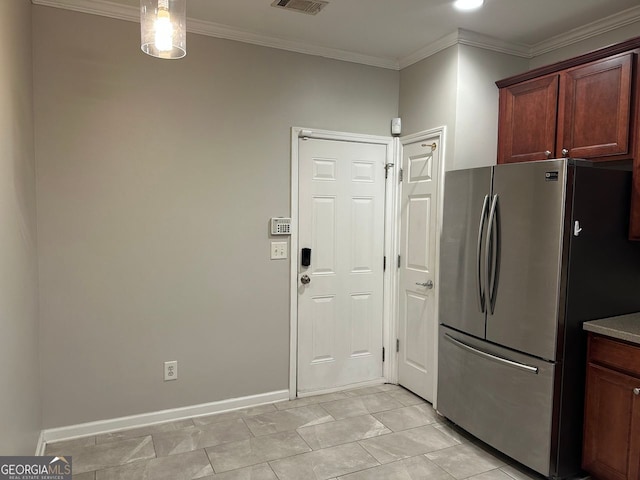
[(468, 4)]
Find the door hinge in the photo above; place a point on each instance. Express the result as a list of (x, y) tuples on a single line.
[(383, 354), (384, 264), (398, 261), (401, 175), (397, 345)]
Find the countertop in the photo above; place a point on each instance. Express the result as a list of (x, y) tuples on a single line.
[(624, 327)]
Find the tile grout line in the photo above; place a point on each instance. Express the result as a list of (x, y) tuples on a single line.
[(247, 427), (272, 470), (402, 431), (327, 412), (321, 405), (209, 460), (153, 444), (305, 442), (269, 462)]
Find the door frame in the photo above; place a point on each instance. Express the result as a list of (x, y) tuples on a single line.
[(390, 247), (441, 133)]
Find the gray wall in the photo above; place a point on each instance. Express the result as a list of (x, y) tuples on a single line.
[(477, 104), (156, 180), (428, 95), (20, 413), (155, 183), (456, 88)]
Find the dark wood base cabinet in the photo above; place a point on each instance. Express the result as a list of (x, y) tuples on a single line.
[(611, 448), (585, 107)]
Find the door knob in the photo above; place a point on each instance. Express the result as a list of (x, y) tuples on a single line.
[(428, 284), (304, 279), (636, 391)]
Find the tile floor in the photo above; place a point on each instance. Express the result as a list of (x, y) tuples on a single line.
[(373, 433)]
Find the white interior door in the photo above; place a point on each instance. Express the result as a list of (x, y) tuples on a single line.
[(341, 219), (417, 326)]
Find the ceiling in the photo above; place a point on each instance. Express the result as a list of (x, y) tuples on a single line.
[(390, 33)]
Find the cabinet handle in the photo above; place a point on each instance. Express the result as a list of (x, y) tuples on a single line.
[(636, 391), (547, 153), (565, 152)]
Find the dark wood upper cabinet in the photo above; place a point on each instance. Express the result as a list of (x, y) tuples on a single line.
[(527, 127), (595, 109), (582, 112), (584, 107)]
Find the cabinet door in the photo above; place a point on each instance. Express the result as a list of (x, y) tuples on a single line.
[(527, 126), (609, 410), (634, 447), (595, 106), (634, 217)]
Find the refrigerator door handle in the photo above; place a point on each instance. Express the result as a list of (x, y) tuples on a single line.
[(493, 268), (489, 254), (480, 290), (490, 356)]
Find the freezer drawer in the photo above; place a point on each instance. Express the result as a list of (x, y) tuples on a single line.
[(502, 397)]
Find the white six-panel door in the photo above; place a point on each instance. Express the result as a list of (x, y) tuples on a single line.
[(341, 218), (417, 326)]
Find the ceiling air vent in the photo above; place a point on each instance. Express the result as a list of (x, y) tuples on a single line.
[(310, 7)]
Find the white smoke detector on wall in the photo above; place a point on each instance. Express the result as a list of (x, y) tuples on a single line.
[(310, 7)]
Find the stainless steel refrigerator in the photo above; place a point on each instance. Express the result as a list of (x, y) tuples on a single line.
[(529, 252)]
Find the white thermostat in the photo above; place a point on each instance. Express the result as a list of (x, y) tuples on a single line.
[(280, 226)]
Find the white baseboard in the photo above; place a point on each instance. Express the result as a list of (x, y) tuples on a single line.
[(41, 444), (145, 419), (370, 383)]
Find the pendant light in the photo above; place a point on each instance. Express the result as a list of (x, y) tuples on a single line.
[(468, 4), (163, 28)]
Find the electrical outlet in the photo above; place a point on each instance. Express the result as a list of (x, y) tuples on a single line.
[(278, 250), (170, 370)]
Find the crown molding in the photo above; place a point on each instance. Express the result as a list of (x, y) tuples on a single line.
[(429, 50), (604, 25), (607, 24), (104, 8), (132, 14), (110, 9), (466, 37), (229, 33), (473, 39), (576, 35)]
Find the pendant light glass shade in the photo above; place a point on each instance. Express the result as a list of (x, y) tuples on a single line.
[(468, 4), (163, 28)]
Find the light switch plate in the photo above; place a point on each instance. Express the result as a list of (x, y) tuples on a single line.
[(278, 250)]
